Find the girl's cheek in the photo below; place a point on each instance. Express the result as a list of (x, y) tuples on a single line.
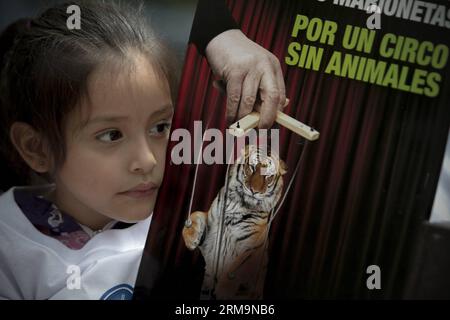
[(162, 152), (162, 144)]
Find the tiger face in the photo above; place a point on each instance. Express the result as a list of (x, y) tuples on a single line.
[(259, 178)]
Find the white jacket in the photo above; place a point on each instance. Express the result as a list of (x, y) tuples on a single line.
[(36, 266)]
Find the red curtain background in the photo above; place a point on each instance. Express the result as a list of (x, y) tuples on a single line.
[(362, 189)]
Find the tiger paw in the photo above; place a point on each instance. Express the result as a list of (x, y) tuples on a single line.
[(194, 229)]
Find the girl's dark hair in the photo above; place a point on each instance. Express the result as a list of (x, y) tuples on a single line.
[(46, 66)]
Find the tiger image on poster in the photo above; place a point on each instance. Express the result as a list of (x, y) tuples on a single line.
[(232, 235)]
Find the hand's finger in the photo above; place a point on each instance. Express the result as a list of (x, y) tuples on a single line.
[(281, 85), (258, 104), (249, 92), (220, 85), (234, 90), (270, 96)]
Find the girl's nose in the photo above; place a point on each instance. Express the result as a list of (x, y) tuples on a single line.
[(143, 160)]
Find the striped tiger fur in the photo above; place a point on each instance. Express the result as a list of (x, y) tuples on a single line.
[(234, 245)]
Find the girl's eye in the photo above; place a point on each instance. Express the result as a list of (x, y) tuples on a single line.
[(160, 129), (110, 136)]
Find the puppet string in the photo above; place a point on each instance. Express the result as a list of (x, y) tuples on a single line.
[(219, 235), (272, 215), (188, 220)]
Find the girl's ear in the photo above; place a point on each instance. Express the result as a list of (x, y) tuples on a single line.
[(31, 146)]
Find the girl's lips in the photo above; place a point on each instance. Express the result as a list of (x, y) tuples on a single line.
[(141, 191)]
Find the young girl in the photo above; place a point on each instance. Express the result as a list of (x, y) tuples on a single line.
[(89, 111)]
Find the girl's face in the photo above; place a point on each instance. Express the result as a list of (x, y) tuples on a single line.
[(116, 147)]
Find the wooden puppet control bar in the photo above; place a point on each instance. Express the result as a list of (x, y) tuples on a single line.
[(250, 121)]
